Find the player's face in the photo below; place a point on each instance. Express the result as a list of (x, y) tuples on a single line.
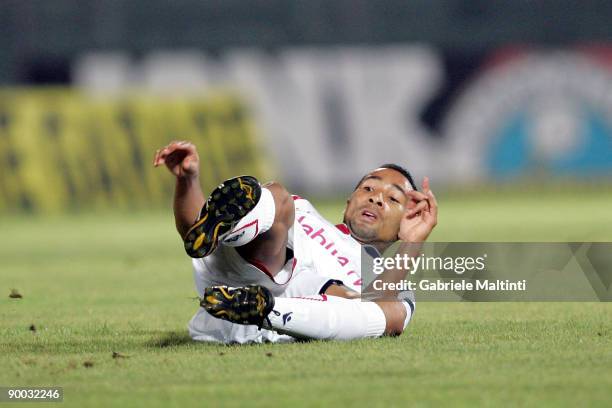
[(375, 209)]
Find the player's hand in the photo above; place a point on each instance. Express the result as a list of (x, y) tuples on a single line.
[(181, 158), (419, 221)]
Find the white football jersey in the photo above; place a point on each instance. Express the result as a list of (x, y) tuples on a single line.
[(335, 254)]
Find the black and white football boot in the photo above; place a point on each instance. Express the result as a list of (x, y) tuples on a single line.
[(242, 305), (224, 208)]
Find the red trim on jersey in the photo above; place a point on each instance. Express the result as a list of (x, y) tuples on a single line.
[(296, 197), (343, 228), (260, 265)]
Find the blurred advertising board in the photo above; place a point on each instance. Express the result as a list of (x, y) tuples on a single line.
[(328, 114), (62, 150)]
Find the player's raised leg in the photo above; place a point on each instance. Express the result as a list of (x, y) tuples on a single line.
[(243, 214)]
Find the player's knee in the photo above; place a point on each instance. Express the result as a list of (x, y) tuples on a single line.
[(279, 191), (283, 203)]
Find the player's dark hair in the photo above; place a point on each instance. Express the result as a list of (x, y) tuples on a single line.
[(397, 168)]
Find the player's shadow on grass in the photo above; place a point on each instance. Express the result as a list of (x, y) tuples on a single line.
[(174, 339), (171, 339)]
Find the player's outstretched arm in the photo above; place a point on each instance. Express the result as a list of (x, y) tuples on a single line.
[(182, 160)]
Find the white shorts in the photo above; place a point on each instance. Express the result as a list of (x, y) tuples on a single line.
[(226, 267)]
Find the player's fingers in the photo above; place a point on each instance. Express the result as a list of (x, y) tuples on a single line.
[(432, 199), (189, 164), (156, 157), (176, 145), (179, 143), (417, 195), (432, 215), (190, 147), (168, 156), (425, 185), (174, 150), (164, 153), (183, 145), (421, 206), (173, 147), (160, 156)]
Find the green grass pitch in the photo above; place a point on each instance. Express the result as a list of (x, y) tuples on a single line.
[(94, 285)]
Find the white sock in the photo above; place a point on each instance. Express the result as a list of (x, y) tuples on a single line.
[(327, 317), (256, 222)]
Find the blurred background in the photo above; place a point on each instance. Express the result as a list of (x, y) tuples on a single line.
[(506, 105), (479, 95)]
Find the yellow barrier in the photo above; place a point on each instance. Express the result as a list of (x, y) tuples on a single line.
[(60, 150)]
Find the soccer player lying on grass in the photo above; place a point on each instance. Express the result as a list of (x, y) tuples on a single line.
[(266, 259)]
